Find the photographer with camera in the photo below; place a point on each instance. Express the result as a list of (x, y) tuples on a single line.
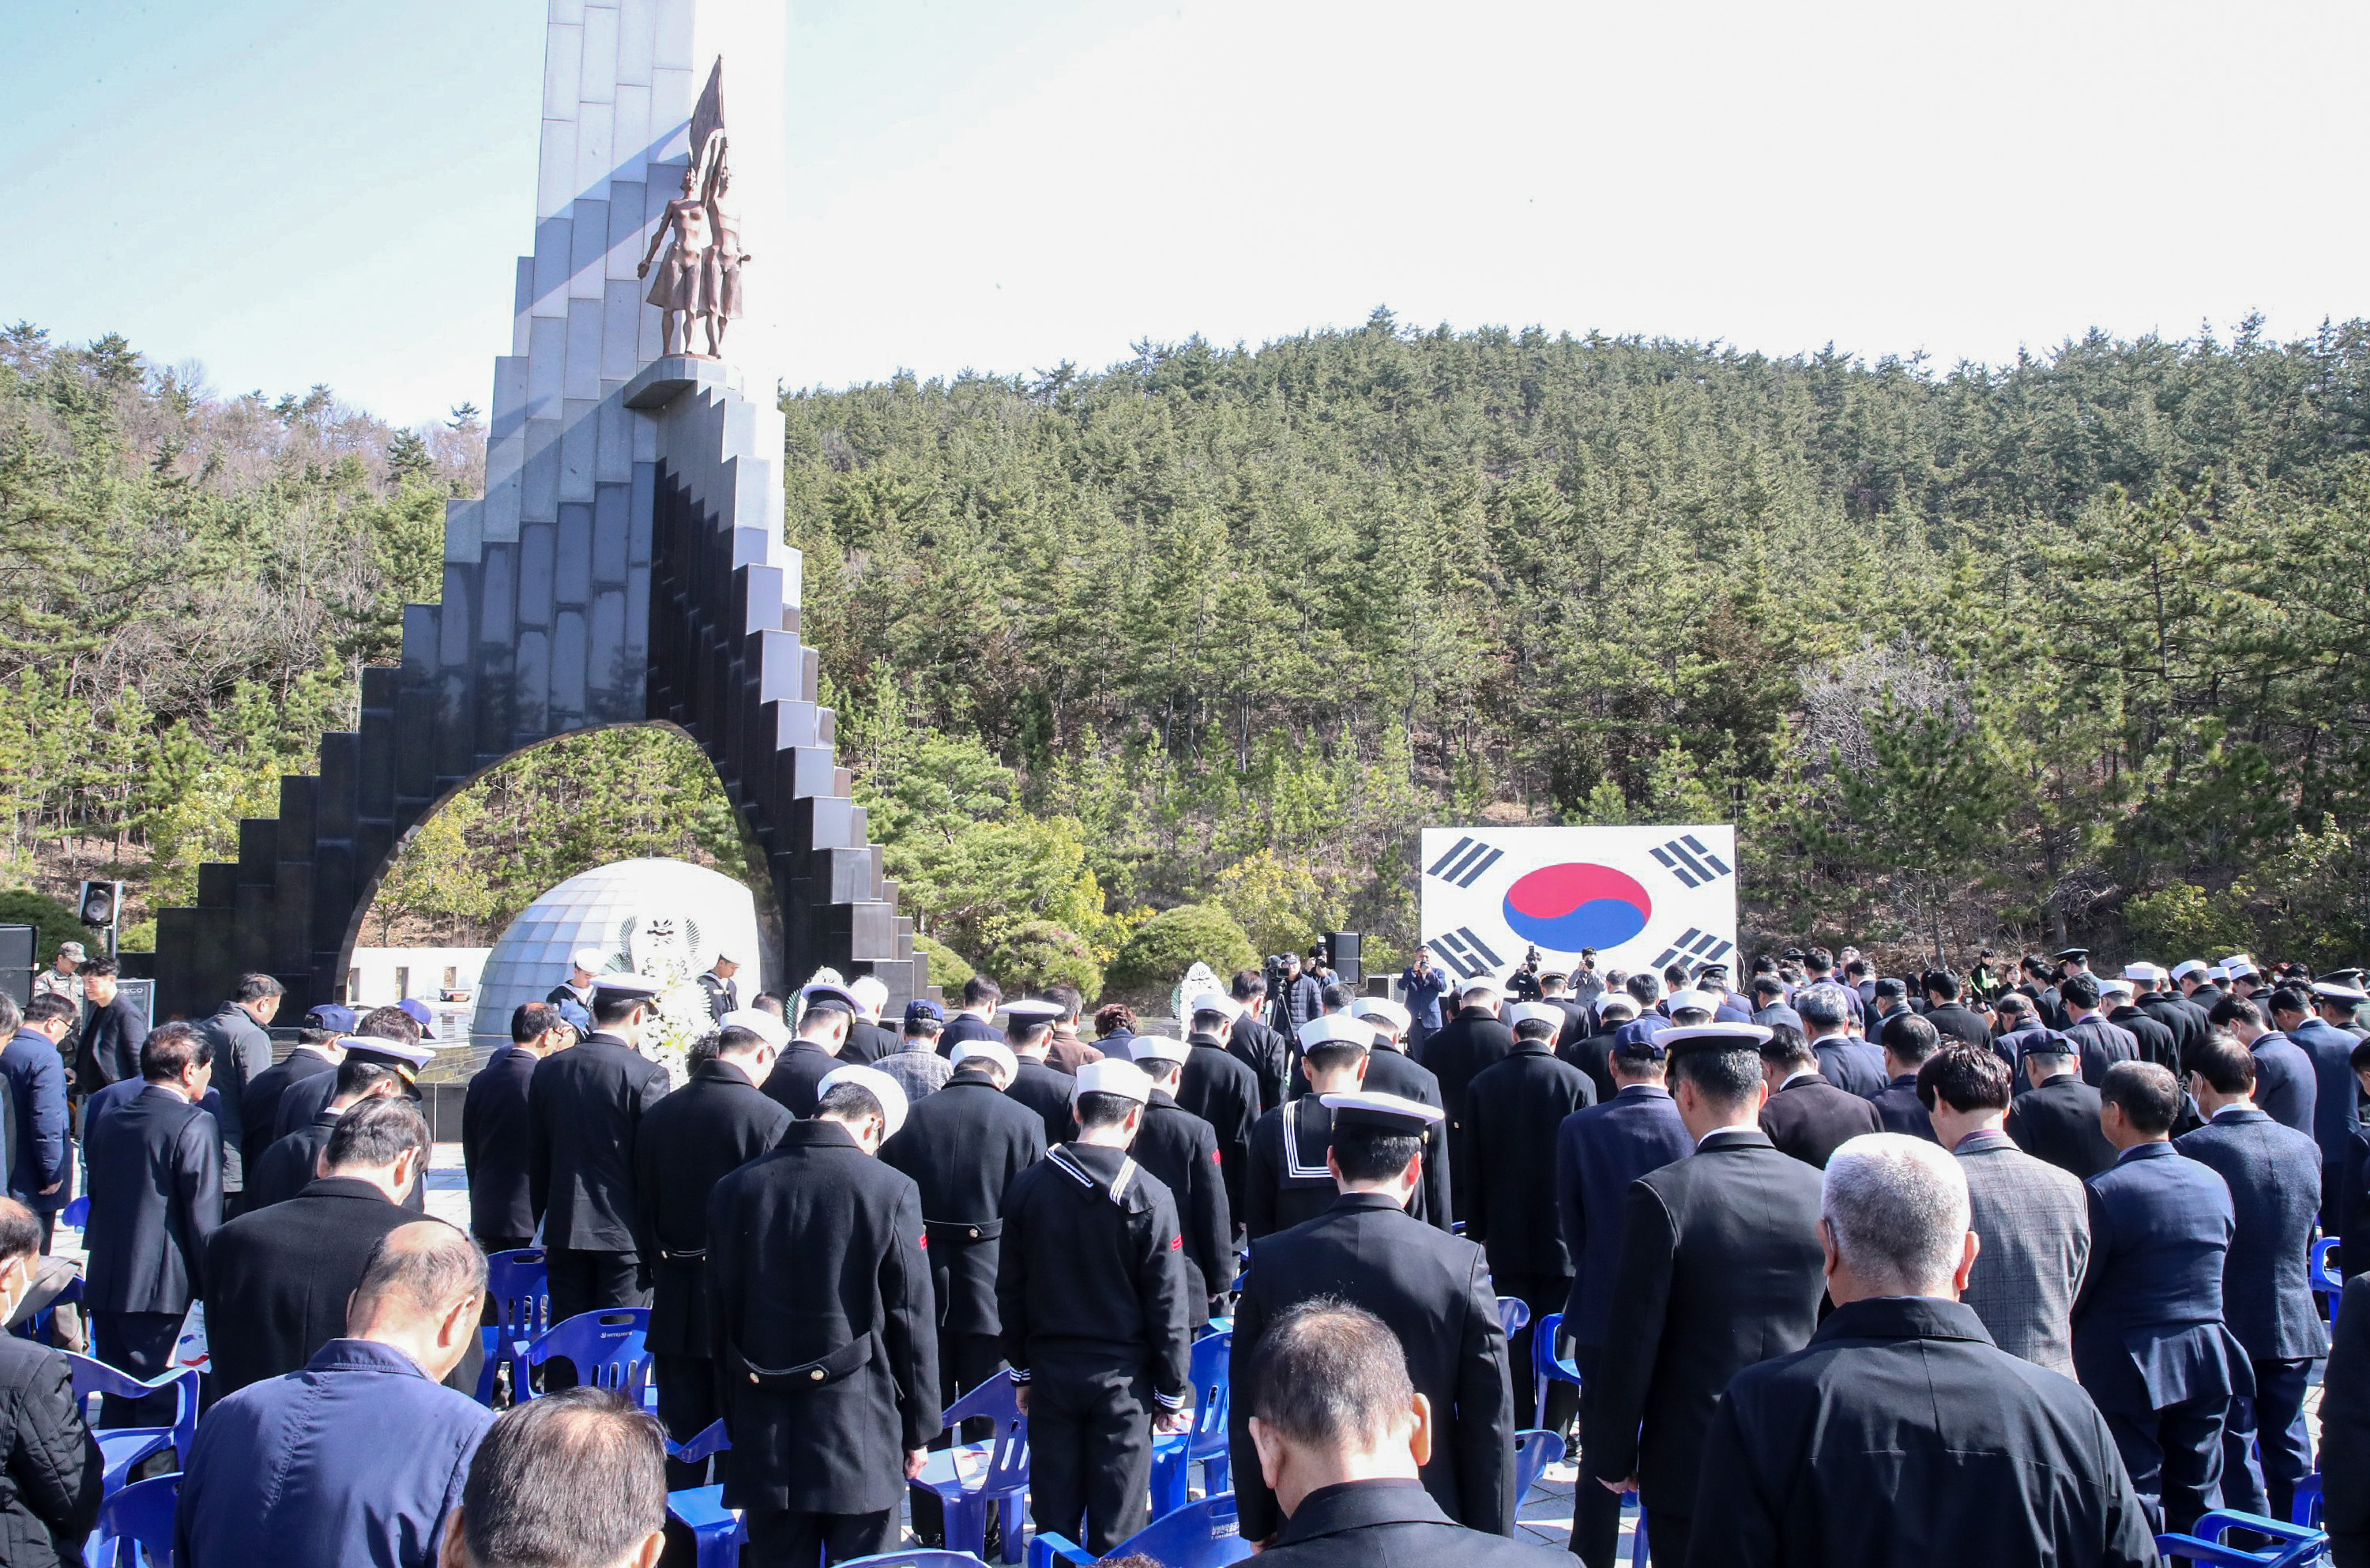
[(1421, 984)]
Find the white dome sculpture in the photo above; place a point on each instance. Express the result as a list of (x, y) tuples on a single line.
[(632, 910)]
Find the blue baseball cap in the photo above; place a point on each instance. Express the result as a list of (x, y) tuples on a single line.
[(921, 1007)]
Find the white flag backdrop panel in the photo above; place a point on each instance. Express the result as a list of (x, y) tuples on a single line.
[(1640, 896)]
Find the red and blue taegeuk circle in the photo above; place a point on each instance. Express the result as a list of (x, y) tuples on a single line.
[(1577, 905)]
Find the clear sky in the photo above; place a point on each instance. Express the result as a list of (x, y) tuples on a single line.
[(300, 191)]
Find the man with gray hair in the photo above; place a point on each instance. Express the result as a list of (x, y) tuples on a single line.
[(1850, 1063), (1901, 1394), (574, 1479), (357, 1458)]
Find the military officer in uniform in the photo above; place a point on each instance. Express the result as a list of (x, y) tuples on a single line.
[(1090, 1288), (1433, 1291), (584, 1111), (1512, 1112), (1036, 1083), (1181, 1150), (964, 1144), (825, 1014), (820, 1305), (690, 1141), (1288, 1182), (1222, 1091), (291, 1163), (1388, 1071)]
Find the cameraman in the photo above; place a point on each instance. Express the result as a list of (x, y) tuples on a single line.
[(1420, 987)]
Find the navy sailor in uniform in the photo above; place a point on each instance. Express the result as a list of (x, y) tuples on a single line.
[(1289, 1182), (1092, 1290)]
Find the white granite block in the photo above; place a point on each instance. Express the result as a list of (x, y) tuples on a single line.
[(575, 449), (671, 98), (646, 434), (539, 481), (568, 10), (621, 313), (636, 21), (464, 536), (587, 248), (594, 162), (524, 308), (671, 39), (509, 415), (547, 361), (504, 461), (627, 235), (580, 382), (597, 76), (554, 241), (794, 575), (563, 64), (630, 139), (613, 440), (555, 181)]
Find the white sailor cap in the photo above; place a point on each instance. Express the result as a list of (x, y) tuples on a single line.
[(1112, 1076), (1617, 1004), (2115, 986), (2141, 970), (2239, 964), (1325, 1027), (993, 1052), (1484, 986), (1713, 1036), (1158, 1048), (824, 994), (1392, 1015), (589, 960), (759, 1023), (630, 987), (1700, 1001), (2330, 990), (2217, 972), (1538, 1012), (1392, 1112), (1217, 1002), (408, 1056), (1030, 1010), (2187, 967), (878, 1084)]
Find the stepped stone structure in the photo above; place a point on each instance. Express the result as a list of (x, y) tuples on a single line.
[(626, 564)]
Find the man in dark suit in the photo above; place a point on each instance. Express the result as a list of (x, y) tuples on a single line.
[(2153, 994), (1592, 1054), (689, 1141), (585, 1107), (38, 1139), (1600, 1150), (868, 1039), (2057, 1118), (292, 1163), (390, 1035), (1945, 1011), (1512, 1113), (276, 1279), (1576, 1025), (1901, 1395), (1257, 1045), (1434, 1289), (318, 1050), (977, 1019), (1845, 1060), (240, 1029), (1908, 1041), (819, 1302), (822, 1014), (1721, 1267), (109, 1051), (2102, 1044), (2336, 1104), (1220, 1089), (1805, 1115), (2157, 1043), (2345, 1429), (2273, 1174), (155, 1197), (2149, 1344), (963, 1145), (1476, 1038), (494, 1136), (1181, 1151), (2286, 1088), (1770, 1007), (1334, 1432)]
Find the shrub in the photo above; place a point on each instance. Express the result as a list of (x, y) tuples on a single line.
[(1034, 954), (949, 969), (1166, 945), (56, 923)]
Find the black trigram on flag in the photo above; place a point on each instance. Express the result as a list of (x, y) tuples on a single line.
[(1690, 863), (1465, 952), (1465, 862), (1697, 946)]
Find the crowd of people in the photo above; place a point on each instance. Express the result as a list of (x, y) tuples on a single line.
[(1852, 1269)]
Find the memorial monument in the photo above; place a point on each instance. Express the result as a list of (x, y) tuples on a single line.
[(626, 564)]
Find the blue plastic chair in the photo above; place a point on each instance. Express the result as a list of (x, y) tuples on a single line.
[(1534, 1449), (2326, 1276), (709, 1441), (1173, 1458), (1639, 1550), (41, 1326), (136, 1526), (1200, 1535), (920, 1557), (2306, 1509), (517, 1285), (75, 1216), (2292, 1545), (1514, 1314), (1000, 1477), (1546, 1366), (606, 1348), (121, 1448), (718, 1533)]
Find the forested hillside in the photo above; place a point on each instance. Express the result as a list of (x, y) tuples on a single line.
[(2064, 646)]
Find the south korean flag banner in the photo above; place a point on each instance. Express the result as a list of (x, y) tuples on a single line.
[(1642, 897)]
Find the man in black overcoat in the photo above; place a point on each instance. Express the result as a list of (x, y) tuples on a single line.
[(1949, 1014), (1250, 1041), (2345, 1429), (1220, 1089), (318, 1050), (1036, 1082), (819, 1300), (1181, 1150), (1721, 1267), (2157, 1043), (2102, 1044), (494, 1136), (823, 1015), (292, 1163), (690, 1141), (1805, 1115), (1909, 1040), (1090, 1290), (1901, 1435), (2057, 1118), (385, 1034), (1512, 1111), (1476, 1038), (1434, 1289), (155, 1198), (584, 1111)]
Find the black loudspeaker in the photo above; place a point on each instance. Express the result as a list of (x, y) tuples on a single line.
[(17, 963), (1347, 963)]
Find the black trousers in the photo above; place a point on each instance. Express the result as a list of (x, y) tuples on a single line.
[(140, 1344), (2174, 1457), (687, 1407), (592, 1281), (1595, 1513), (1090, 1453), (2272, 1415), (1542, 1294), (782, 1538), (965, 1361)]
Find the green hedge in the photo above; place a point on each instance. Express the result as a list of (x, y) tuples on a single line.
[(1166, 945), (57, 923)]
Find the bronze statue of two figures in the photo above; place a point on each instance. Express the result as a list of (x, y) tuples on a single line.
[(699, 283)]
